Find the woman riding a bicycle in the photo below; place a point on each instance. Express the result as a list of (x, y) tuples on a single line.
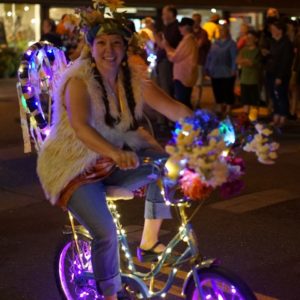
[(95, 142)]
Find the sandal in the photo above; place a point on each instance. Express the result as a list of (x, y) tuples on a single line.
[(148, 255), (152, 256)]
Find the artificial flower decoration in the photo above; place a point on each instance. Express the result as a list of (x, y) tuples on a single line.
[(193, 187), (203, 153), (262, 145), (96, 20), (111, 4), (89, 18)]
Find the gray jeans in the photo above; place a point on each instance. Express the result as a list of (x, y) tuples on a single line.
[(88, 205)]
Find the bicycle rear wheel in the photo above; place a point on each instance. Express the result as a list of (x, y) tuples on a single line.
[(69, 269), (218, 283)]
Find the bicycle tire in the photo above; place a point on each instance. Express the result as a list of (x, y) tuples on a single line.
[(63, 269), (238, 289), (67, 242)]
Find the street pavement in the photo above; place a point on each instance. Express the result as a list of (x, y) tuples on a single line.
[(256, 234)]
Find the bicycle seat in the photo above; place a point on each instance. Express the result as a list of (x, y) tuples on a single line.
[(114, 193)]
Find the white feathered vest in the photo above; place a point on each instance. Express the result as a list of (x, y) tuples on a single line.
[(63, 156)]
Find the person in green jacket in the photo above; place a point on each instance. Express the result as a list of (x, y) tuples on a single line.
[(249, 58)]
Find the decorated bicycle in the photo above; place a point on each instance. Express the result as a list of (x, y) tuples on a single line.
[(202, 157)]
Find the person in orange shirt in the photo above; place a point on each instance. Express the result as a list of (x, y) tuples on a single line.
[(185, 60)]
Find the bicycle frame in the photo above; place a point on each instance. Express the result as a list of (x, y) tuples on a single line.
[(185, 234)]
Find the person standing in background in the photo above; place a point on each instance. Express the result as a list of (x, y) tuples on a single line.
[(249, 59), (71, 37), (296, 75), (272, 15), (148, 28), (293, 86), (203, 46), (185, 59), (278, 71), (242, 39), (147, 35), (212, 27), (221, 67), (172, 35), (49, 33), (60, 28)]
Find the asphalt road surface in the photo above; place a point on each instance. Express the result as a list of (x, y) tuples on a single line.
[(256, 235)]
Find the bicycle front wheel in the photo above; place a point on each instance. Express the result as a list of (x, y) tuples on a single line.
[(217, 283)]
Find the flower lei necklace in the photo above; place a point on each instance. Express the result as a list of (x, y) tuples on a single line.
[(110, 120)]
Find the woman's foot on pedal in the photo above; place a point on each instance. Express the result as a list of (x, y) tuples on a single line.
[(152, 254)]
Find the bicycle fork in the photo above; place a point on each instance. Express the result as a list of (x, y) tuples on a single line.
[(193, 245)]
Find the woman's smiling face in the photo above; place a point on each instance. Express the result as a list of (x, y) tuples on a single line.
[(108, 51)]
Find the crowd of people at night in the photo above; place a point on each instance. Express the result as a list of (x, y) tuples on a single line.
[(260, 68)]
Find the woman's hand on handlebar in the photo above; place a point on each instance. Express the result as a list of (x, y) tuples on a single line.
[(125, 159)]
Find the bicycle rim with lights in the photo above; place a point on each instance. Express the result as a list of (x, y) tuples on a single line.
[(71, 267), (217, 283)]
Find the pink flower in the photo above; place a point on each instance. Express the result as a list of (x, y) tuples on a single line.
[(193, 187)]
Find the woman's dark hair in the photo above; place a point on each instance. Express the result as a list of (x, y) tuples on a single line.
[(128, 91), (109, 119)]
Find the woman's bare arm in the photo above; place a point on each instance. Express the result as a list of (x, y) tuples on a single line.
[(157, 99)]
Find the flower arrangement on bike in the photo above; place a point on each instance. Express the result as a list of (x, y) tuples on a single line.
[(203, 153)]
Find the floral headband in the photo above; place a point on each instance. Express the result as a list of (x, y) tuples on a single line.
[(93, 21)]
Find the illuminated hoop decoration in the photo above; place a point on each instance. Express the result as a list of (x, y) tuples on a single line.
[(41, 67)]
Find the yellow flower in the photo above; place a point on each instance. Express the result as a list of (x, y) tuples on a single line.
[(214, 133), (273, 155), (258, 138), (259, 127), (173, 168), (93, 17), (263, 156), (170, 149), (267, 132), (212, 142)]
